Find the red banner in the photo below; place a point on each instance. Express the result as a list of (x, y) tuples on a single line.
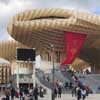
[(74, 42)]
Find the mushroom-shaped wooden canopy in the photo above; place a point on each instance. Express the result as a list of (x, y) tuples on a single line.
[(8, 49), (41, 27)]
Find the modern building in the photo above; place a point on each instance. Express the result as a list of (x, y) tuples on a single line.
[(41, 28), (5, 73), (47, 31)]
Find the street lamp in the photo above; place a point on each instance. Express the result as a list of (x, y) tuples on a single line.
[(53, 70)]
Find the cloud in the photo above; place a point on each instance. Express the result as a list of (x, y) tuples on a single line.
[(4, 1), (10, 7), (8, 10)]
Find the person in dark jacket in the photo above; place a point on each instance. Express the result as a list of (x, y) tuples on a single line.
[(55, 92), (74, 91), (78, 94), (66, 86), (59, 91), (70, 85), (41, 91), (12, 93), (35, 93), (21, 93)]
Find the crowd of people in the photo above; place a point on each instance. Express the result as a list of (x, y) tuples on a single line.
[(57, 89), (78, 89), (32, 93), (80, 92), (75, 86)]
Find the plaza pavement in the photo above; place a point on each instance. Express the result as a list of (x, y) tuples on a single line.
[(66, 97), (69, 97)]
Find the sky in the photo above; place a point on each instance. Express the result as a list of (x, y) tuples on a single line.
[(9, 8)]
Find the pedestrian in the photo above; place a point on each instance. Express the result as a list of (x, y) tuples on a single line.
[(59, 91), (12, 93), (7, 93), (23, 97), (83, 94), (31, 93), (55, 92), (36, 92), (87, 90), (41, 91), (66, 85), (74, 91), (21, 93), (78, 93), (48, 79), (70, 85)]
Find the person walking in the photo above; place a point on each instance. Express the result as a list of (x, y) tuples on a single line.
[(59, 91), (70, 85), (21, 93), (12, 93), (74, 91), (66, 85), (48, 79), (55, 92), (78, 93), (41, 91), (83, 94), (7, 93), (36, 93)]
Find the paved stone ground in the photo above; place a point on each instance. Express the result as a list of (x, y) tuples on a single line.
[(67, 97), (64, 97)]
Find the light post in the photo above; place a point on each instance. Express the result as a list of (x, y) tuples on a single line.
[(53, 71), (33, 76), (17, 75), (6, 76)]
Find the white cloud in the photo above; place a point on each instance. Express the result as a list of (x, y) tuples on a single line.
[(8, 10), (11, 7)]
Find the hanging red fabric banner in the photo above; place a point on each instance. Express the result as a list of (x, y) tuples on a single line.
[(74, 42)]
